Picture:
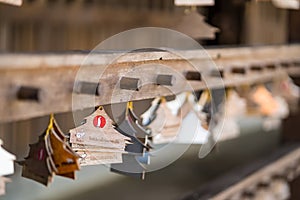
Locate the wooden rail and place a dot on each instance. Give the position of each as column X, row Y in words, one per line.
column 34, row 85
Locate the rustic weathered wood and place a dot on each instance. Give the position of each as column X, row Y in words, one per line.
column 70, row 27
column 265, row 24
column 54, row 75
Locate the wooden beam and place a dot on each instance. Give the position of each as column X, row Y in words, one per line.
column 53, row 76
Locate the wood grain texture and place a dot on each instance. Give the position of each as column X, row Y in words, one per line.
column 55, row 74
column 12, row 2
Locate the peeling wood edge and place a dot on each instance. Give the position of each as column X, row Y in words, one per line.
column 49, row 60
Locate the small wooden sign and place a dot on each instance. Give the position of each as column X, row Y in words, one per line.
column 65, row 161
column 98, row 131
column 38, row 165
column 97, row 141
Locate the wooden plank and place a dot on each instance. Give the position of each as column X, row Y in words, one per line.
column 272, row 53
column 54, row 75
column 265, row 24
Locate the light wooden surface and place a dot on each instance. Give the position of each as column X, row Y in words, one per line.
column 54, row 75
column 12, row 2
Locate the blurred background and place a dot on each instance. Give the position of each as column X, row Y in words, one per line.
column 54, row 25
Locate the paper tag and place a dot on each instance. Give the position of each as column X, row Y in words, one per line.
column 289, row 91
column 78, row 147
column 65, row 161
column 193, row 24
column 265, row 100
column 170, row 128
column 99, row 131
column 175, row 105
column 283, row 108
column 167, row 136
column 27, row 173
column 235, row 106
column 96, row 140
column 136, row 146
column 97, row 158
column 12, row 2
column 194, row 2
column 280, row 189
column 198, row 109
column 149, row 115
column 286, row 4
column 167, row 124
column 37, row 160
column 185, row 109
column 191, row 131
column 157, row 124
column 6, row 162
column 262, row 193
column 38, row 165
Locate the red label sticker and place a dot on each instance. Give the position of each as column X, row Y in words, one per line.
column 99, row 121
